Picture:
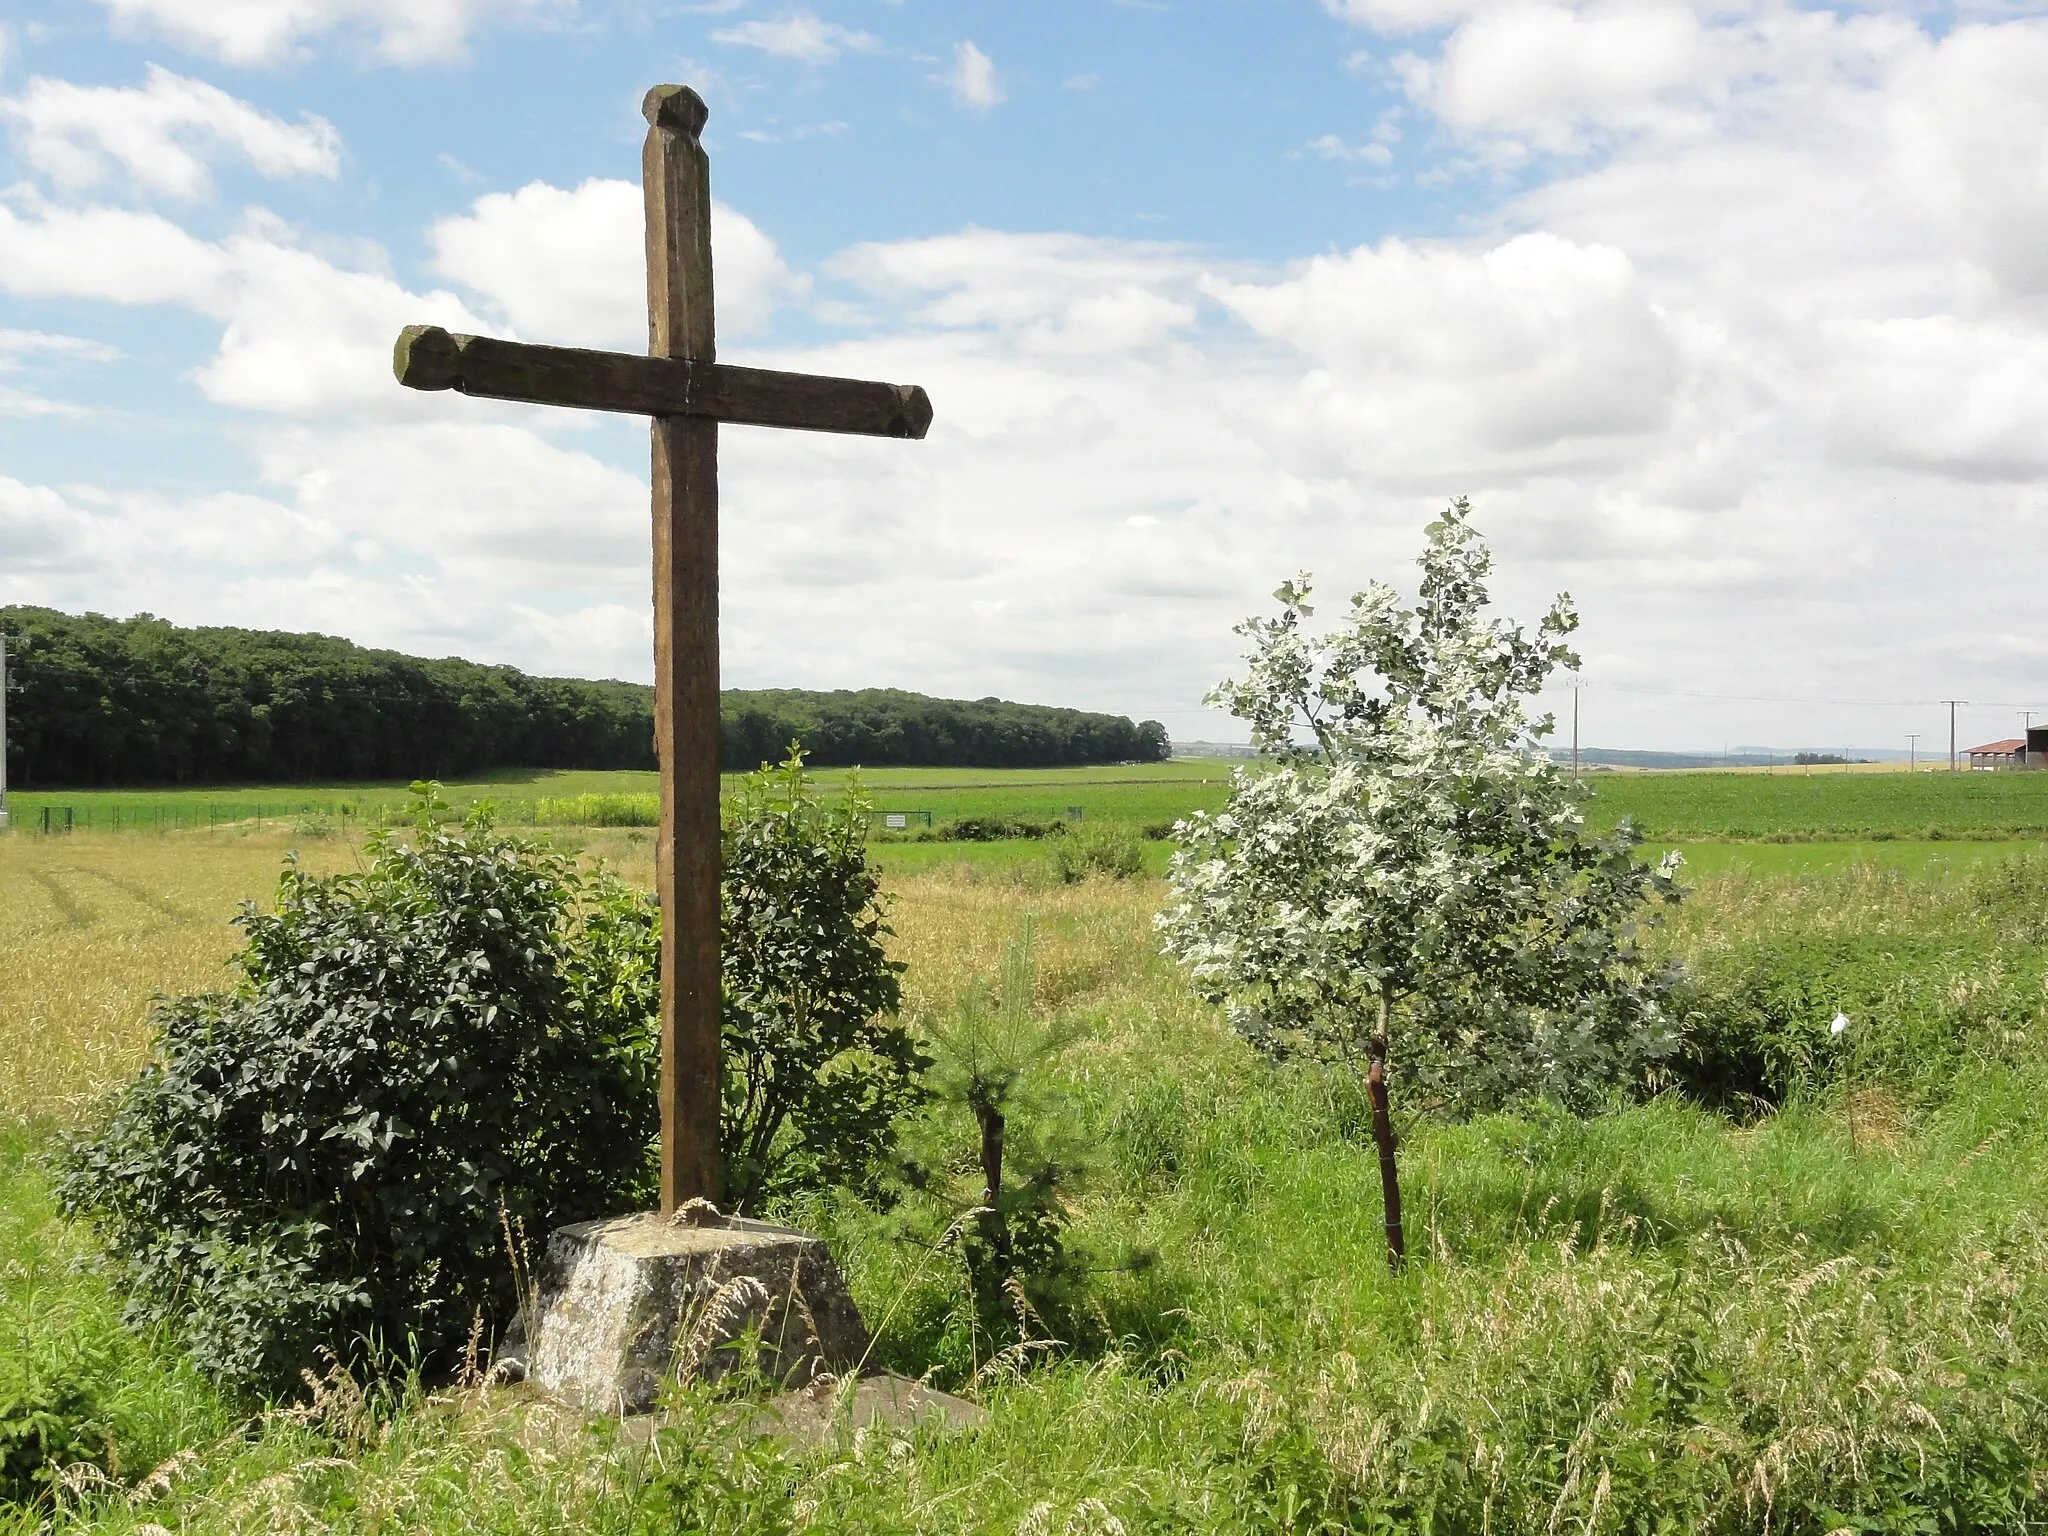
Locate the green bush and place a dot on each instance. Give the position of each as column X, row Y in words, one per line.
column 818, row 1070
column 321, row 1157
column 993, row 829
column 1110, row 848
column 1757, row 1018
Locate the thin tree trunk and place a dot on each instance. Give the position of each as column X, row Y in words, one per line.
column 1383, row 1137
column 993, row 1226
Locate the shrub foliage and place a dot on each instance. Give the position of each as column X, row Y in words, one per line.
column 818, row 1070
column 465, row 1032
column 322, row 1154
column 53, row 1411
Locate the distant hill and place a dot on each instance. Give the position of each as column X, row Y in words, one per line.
column 142, row 701
column 1214, row 749
column 1740, row 757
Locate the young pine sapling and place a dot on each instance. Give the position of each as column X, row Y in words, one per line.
column 990, row 1061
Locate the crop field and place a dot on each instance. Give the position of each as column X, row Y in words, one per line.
column 1675, row 807
column 1827, row 1312
column 1668, row 808
column 1137, row 792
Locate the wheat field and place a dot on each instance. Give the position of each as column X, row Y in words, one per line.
column 92, row 928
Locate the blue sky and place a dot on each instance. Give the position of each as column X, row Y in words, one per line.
column 1732, row 318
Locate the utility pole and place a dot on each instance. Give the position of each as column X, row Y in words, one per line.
column 1913, row 752
column 1952, row 703
column 2026, row 731
column 1575, row 731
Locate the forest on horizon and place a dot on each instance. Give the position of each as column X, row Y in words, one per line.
column 100, row 702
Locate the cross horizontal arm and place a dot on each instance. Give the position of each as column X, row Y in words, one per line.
column 428, row 357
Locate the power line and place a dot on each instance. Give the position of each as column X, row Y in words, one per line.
column 1763, row 698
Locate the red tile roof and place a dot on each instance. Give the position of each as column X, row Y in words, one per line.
column 2007, row 747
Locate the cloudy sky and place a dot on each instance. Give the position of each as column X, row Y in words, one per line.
column 1731, row 318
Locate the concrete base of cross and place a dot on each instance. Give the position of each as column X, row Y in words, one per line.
column 624, row 1304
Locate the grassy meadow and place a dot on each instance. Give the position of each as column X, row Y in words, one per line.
column 1821, row 1306
column 1790, row 805
column 1138, row 792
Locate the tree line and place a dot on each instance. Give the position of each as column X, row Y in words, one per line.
column 99, row 701
column 881, row 726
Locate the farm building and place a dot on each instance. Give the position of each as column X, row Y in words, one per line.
column 2010, row 753
column 2028, row 751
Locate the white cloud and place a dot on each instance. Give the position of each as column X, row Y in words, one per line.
column 1838, row 219
column 972, row 81
column 162, row 134
column 22, row 402
column 107, row 253
column 1021, row 286
column 98, row 536
column 1523, row 63
column 488, row 504
column 299, row 334
column 569, row 266
column 800, row 35
column 1449, row 358
column 1947, row 395
column 1331, row 147
column 19, row 349
column 1402, row 15
column 306, row 338
column 314, row 556
column 17, row 345
column 272, row 31
column 1970, row 122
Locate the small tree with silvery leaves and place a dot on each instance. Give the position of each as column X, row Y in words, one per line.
column 1406, row 886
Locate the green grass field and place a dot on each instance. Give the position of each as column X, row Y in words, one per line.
column 1832, row 1317
column 1704, row 860
column 1674, row 807
column 1669, row 808
column 1138, row 792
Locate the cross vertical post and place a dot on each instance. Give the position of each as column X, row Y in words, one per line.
column 676, row 181
column 687, row 392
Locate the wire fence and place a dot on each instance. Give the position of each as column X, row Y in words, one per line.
column 256, row 815
column 350, row 816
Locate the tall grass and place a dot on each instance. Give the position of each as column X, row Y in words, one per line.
column 599, row 811
column 1657, row 1319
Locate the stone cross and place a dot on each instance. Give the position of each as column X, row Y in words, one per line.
column 688, row 394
